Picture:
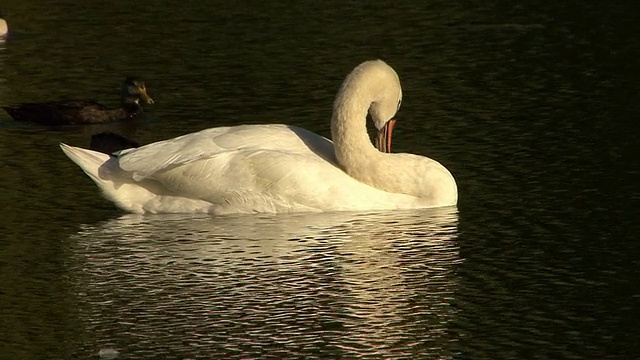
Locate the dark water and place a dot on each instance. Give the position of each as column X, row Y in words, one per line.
column 532, row 106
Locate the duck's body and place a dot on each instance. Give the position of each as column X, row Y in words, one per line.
column 277, row 168
column 78, row 112
column 71, row 112
column 108, row 142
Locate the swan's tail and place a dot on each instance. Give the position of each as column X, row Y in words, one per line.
column 89, row 161
column 118, row 185
column 104, row 171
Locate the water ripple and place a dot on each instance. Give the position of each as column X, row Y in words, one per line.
column 313, row 285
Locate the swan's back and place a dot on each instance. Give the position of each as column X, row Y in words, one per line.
column 224, row 141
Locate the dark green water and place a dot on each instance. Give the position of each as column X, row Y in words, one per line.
column 532, row 106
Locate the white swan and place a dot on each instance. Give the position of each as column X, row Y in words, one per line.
column 279, row 168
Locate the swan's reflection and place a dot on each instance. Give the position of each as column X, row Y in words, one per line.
column 340, row 284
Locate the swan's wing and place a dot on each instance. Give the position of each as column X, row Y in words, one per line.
column 263, row 179
column 145, row 161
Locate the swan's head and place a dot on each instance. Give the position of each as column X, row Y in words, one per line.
column 383, row 87
column 382, row 115
column 386, row 104
column 372, row 87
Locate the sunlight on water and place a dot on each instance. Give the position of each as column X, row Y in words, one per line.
column 307, row 285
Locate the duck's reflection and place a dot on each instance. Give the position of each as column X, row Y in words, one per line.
column 341, row 284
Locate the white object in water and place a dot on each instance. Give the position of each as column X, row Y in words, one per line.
column 279, row 168
column 4, row 28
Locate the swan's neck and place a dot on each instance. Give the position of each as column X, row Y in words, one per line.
column 353, row 149
column 352, row 145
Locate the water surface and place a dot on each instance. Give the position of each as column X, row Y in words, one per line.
column 532, row 106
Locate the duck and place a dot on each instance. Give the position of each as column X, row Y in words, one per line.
column 80, row 112
column 108, row 142
column 279, row 168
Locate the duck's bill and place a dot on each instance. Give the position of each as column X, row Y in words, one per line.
column 145, row 97
column 383, row 140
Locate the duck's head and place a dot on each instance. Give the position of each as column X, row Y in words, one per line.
column 133, row 91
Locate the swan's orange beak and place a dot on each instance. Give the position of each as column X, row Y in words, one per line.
column 383, row 141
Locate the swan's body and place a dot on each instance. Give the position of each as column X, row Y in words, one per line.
column 278, row 168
